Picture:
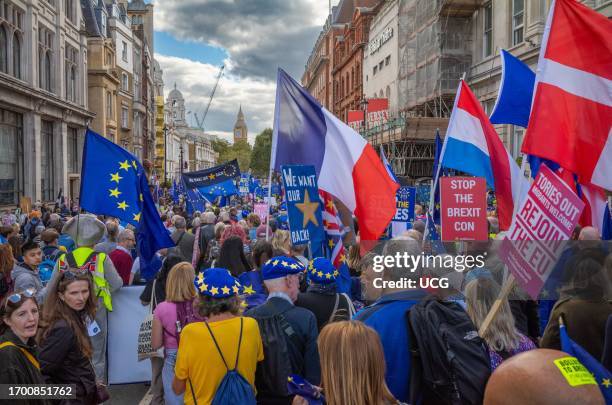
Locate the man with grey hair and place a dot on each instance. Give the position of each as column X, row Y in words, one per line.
column 122, row 255
column 204, row 234
column 182, row 239
column 395, row 276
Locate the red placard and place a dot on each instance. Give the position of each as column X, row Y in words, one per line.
column 355, row 119
column 463, row 211
column 547, row 216
column 378, row 111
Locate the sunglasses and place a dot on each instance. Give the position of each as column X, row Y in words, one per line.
column 16, row 298
column 72, row 274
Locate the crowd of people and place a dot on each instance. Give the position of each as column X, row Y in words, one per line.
column 240, row 312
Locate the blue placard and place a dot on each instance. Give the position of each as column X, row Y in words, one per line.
column 405, row 200
column 244, row 183
column 303, row 204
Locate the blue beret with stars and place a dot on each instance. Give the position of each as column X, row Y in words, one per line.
column 322, row 271
column 281, row 266
column 216, row 283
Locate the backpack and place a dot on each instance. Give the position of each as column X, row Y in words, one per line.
column 184, row 316
column 273, row 371
column 234, row 388
column 450, row 362
column 70, row 262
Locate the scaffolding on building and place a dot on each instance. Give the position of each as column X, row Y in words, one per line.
column 434, row 51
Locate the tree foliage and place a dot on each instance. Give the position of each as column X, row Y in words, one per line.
column 240, row 150
column 260, row 156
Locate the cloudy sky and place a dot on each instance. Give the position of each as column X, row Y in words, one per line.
column 251, row 37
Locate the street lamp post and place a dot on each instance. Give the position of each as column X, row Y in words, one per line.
column 181, row 158
column 364, row 107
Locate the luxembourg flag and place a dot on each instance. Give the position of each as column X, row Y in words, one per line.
column 347, row 166
column 472, row 146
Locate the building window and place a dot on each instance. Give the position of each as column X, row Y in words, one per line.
column 103, row 24
column 70, row 10
column 109, row 105
column 124, row 51
column 375, row 70
column 75, row 148
column 45, row 42
column 11, row 157
column 517, row 140
column 388, row 92
column 3, row 50
column 124, row 117
column 518, row 16
column 487, row 37
column 71, row 73
column 488, row 106
column 46, row 161
column 16, row 55
column 387, row 60
column 380, row 66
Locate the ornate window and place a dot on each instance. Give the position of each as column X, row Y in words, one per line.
column 71, row 73
column 17, row 55
column 3, row 50
column 45, row 59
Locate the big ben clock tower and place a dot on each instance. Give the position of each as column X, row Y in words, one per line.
column 240, row 128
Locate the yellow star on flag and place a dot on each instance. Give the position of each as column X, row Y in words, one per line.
column 284, row 263
column 136, row 217
column 123, row 205
column 275, row 262
column 202, row 287
column 225, row 290
column 342, row 258
column 290, row 379
column 606, row 382
column 134, row 165
column 248, row 290
column 294, row 266
column 236, row 289
column 330, row 243
column 201, row 278
column 114, row 192
column 330, row 204
column 214, row 291
column 336, row 273
column 115, row 177
column 309, row 210
column 328, row 276
column 211, row 176
column 141, row 197
column 320, row 274
column 124, row 165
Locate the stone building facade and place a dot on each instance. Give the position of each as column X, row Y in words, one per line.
column 43, row 99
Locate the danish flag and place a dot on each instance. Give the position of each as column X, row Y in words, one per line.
column 571, row 116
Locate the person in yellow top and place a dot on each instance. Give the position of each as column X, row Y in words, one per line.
column 208, row 350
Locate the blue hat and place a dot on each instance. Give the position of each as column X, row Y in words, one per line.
column 216, row 283
column 281, row 266
column 322, row 271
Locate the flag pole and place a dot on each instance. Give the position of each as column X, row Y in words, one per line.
column 273, row 150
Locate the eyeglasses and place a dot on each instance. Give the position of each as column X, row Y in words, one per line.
column 15, row 298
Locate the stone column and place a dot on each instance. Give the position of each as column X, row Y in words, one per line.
column 32, row 155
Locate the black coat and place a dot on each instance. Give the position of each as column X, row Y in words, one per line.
column 16, row 368
column 63, row 362
column 322, row 305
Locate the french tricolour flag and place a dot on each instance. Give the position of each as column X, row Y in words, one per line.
column 472, row 146
column 346, row 165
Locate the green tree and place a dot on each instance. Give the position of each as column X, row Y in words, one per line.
column 241, row 150
column 222, row 147
column 260, row 156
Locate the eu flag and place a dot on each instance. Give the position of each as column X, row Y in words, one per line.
column 114, row 183
column 222, row 189
column 602, row 376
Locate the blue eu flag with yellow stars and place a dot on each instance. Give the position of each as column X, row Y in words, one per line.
column 114, row 183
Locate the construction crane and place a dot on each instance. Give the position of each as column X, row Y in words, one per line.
column 199, row 121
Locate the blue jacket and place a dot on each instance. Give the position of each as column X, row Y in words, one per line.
column 388, row 317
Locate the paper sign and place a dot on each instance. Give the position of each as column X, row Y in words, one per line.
column 261, row 210
column 574, row 372
column 533, row 244
column 463, row 212
column 303, row 204
column 405, row 198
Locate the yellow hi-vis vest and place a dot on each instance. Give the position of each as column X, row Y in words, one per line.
column 100, row 284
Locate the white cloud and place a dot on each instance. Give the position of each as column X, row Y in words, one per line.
column 196, row 80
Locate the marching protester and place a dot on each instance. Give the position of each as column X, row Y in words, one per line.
column 322, row 298
column 388, row 311
column 289, row 333
column 352, row 369
column 219, row 356
column 204, row 234
column 502, row 337
column 110, row 240
column 7, row 261
column 121, row 256
column 183, row 239
column 232, row 257
column 170, row 317
column 19, row 317
column 66, row 352
column 25, row 275
column 86, row 231
column 281, row 243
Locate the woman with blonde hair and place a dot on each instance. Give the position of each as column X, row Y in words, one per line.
column 169, row 318
column 502, row 337
column 281, row 243
column 352, row 366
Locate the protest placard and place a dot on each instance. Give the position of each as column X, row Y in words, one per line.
column 548, row 215
column 261, row 210
column 405, row 198
column 463, row 208
column 244, row 183
column 303, row 204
